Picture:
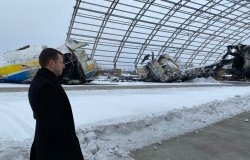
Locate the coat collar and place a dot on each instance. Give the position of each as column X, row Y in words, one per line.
column 47, row 73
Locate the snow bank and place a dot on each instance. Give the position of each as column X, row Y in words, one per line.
column 113, row 139
column 110, row 80
column 204, row 80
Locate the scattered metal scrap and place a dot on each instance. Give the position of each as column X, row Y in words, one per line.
column 165, row 69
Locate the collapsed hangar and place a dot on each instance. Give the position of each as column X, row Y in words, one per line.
column 192, row 32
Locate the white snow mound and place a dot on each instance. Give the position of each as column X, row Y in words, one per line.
column 114, row 139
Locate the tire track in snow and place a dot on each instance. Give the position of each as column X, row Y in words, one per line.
column 6, row 124
column 20, row 113
column 15, row 126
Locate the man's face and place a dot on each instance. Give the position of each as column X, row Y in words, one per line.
column 57, row 66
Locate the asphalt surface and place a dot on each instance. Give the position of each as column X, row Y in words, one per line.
column 120, row 86
column 225, row 140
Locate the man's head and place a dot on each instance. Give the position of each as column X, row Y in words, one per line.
column 52, row 59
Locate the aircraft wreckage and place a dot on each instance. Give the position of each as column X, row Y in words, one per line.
column 164, row 69
column 21, row 65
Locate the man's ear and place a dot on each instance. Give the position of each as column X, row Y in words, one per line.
column 51, row 63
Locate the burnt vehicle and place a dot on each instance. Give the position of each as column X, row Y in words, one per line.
column 165, row 69
column 21, row 65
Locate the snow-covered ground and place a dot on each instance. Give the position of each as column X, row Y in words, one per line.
column 110, row 123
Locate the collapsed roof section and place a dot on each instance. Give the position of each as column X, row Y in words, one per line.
column 121, row 32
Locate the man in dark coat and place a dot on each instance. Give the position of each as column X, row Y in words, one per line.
column 55, row 137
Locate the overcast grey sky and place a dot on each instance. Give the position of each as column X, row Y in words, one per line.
column 34, row 22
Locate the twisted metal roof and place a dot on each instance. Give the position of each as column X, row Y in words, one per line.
column 193, row 32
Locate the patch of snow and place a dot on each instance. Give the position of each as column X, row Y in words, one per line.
column 13, row 85
column 114, row 139
column 202, row 80
column 109, row 81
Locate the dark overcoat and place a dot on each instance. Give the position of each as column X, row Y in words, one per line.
column 55, row 136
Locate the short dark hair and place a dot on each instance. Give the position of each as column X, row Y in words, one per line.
column 48, row 54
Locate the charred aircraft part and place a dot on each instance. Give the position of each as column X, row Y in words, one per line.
column 164, row 69
column 73, row 72
column 79, row 68
column 21, row 65
column 240, row 61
